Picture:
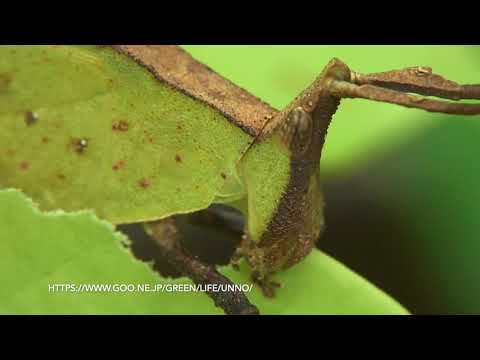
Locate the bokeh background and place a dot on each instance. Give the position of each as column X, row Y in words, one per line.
column 402, row 186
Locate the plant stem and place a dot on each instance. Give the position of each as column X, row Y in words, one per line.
column 165, row 234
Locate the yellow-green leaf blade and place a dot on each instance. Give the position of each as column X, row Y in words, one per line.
column 42, row 249
column 128, row 146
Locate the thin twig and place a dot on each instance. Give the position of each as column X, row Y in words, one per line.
column 232, row 302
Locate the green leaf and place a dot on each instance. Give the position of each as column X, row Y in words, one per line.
column 321, row 285
column 41, row 249
column 84, row 127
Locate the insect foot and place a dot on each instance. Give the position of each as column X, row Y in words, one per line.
column 266, row 284
column 260, row 262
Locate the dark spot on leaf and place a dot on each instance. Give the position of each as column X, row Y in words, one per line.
column 144, row 183
column 150, row 140
column 61, row 176
column 120, row 125
column 223, row 175
column 179, row 127
column 10, row 152
column 5, row 80
column 178, row 158
column 31, row 118
column 79, row 145
column 45, row 140
column 118, row 165
column 24, row 165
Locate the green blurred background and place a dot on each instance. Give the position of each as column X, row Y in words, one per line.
column 401, row 185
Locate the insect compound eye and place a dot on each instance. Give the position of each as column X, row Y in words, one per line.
column 300, row 119
column 296, row 132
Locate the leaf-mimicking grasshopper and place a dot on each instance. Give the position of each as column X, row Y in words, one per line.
column 141, row 133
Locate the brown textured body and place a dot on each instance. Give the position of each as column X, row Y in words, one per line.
column 298, row 220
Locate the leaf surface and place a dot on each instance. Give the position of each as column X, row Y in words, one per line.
column 41, row 249
column 88, row 128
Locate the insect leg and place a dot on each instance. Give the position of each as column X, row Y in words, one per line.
column 420, row 80
column 397, row 86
